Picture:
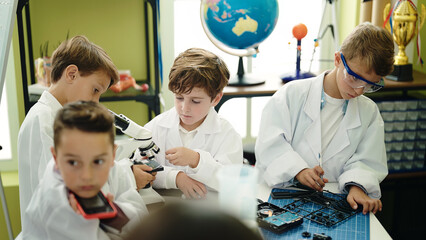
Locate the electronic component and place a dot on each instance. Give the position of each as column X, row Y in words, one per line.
column 276, row 219
column 326, row 208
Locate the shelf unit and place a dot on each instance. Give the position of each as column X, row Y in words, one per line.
column 151, row 98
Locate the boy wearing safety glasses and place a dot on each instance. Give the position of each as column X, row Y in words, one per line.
column 323, row 129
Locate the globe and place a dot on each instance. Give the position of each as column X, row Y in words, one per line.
column 238, row 27
column 238, row 24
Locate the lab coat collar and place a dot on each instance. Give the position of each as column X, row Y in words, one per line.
column 210, row 125
column 48, row 99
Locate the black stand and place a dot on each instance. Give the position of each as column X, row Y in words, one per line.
column 243, row 79
column 401, row 73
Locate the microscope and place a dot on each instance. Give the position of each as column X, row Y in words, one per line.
column 140, row 148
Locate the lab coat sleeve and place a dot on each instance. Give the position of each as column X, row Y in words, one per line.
column 126, row 196
column 166, row 179
column 230, row 151
column 277, row 161
column 126, row 165
column 368, row 166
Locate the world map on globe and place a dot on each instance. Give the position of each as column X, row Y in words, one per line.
column 239, row 24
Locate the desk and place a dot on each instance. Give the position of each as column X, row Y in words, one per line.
column 273, row 83
column 263, row 191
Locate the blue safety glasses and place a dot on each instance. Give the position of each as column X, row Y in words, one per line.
column 356, row 81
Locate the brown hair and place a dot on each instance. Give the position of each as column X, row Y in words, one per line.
column 87, row 56
column 373, row 45
column 197, row 67
column 85, row 116
column 191, row 222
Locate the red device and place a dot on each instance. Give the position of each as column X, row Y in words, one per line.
column 97, row 207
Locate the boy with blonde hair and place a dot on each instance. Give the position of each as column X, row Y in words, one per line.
column 196, row 141
column 324, row 129
column 83, row 164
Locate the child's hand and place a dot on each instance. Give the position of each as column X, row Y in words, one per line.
column 141, row 176
column 312, row 177
column 190, row 187
column 357, row 196
column 73, row 202
column 182, row 156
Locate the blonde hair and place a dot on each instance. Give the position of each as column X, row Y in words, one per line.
column 197, row 67
column 87, row 56
column 373, row 45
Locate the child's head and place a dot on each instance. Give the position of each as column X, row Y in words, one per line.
column 200, row 68
column 191, row 222
column 84, row 147
column 366, row 56
column 372, row 45
column 85, row 66
column 197, row 79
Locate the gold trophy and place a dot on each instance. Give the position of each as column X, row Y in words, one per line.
column 404, row 22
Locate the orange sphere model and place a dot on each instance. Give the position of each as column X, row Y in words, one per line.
column 300, row 31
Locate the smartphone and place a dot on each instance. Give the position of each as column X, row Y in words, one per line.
column 156, row 167
column 96, row 207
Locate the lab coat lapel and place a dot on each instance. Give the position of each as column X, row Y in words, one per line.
column 209, row 126
column 172, row 122
column 312, row 109
column 341, row 139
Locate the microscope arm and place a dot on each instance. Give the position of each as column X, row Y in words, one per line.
column 142, row 137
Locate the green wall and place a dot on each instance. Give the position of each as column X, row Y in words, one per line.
column 116, row 26
column 10, row 184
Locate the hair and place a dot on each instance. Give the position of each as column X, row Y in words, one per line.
column 197, row 67
column 87, row 56
column 85, row 116
column 191, row 222
column 373, row 45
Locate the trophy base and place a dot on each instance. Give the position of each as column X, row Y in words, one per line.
column 401, row 73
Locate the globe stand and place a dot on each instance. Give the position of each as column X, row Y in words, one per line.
column 243, row 79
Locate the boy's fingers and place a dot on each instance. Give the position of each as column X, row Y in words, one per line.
column 352, row 203
column 110, row 197
column 319, row 170
column 73, row 202
column 143, row 167
column 170, row 151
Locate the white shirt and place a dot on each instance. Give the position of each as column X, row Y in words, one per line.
column 290, row 139
column 50, row 216
column 331, row 116
column 215, row 140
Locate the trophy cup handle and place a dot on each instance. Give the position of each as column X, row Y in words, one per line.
column 385, row 14
column 422, row 16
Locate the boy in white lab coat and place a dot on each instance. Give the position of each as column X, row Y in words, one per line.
column 81, row 70
column 323, row 129
column 83, row 164
column 196, row 141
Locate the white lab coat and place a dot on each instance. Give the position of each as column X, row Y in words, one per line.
column 50, row 216
column 34, row 141
column 216, row 141
column 290, row 139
